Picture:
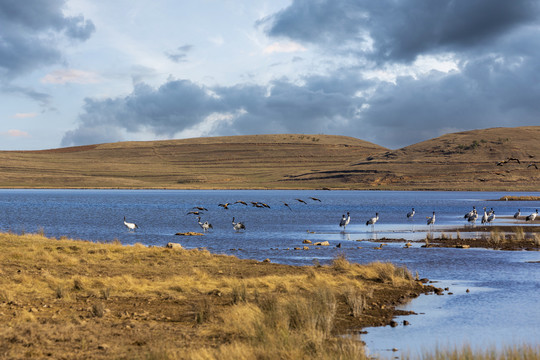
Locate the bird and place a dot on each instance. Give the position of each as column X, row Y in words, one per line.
column 345, row 220
column 287, row 205
column 532, row 165
column 265, row 205
column 431, row 219
column 130, row 226
column 200, row 208
column 484, row 217
column 491, row 217
column 205, row 226
column 300, row 200
column 373, row 220
column 411, row 213
column 470, row 213
column 225, row 206
column 315, row 199
column 193, row 212
column 517, row 214
column 532, row 216
column 238, row 225
column 472, row 219
column 514, row 159
column 240, row 202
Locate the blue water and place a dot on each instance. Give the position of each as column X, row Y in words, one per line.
column 501, row 307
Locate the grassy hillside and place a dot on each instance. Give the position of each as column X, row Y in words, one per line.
column 472, row 160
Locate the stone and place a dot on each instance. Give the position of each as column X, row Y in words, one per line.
column 189, row 233
column 306, row 241
column 393, row 323
column 172, row 245
column 406, row 323
column 267, row 260
column 322, row 243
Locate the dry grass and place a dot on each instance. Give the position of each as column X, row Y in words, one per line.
column 75, row 299
column 521, row 352
column 466, row 160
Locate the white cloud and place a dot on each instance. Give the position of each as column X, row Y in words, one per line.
column 286, row 47
column 65, row 76
column 24, row 115
column 15, row 133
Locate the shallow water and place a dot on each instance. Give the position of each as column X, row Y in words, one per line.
column 501, row 307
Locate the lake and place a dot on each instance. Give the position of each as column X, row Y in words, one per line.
column 501, row 307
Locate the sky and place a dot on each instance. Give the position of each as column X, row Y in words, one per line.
column 392, row 72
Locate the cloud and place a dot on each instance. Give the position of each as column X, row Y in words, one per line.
column 32, row 35
column 286, row 47
column 24, row 115
column 15, row 133
column 180, row 54
column 387, row 30
column 65, row 76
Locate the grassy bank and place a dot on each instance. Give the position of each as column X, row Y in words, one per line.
column 75, row 299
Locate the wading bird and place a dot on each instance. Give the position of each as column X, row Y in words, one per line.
column 484, row 217
column 345, row 220
column 431, row 219
column 315, row 199
column 193, row 213
column 238, row 225
column 517, row 214
column 130, row 226
column 473, row 217
column 410, row 214
column 532, row 216
column 372, row 221
column 491, row 217
column 205, row 226
column 200, row 208
column 300, row 200
column 470, row 213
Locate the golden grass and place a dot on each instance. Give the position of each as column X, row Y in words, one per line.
column 517, row 352
column 77, row 299
column 466, row 160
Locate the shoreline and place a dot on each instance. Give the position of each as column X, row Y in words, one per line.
column 65, row 298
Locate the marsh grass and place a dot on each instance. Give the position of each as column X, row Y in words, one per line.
column 180, row 303
column 518, row 352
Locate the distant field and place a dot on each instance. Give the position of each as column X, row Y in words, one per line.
column 490, row 159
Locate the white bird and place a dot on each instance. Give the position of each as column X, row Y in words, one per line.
column 345, row 220
column 411, row 213
column 516, row 215
column 130, row 226
column 205, row 226
column 532, row 216
column 491, row 217
column 484, row 217
column 431, row 219
column 238, row 226
column 373, row 220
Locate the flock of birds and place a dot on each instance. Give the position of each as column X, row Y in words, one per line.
column 487, row 218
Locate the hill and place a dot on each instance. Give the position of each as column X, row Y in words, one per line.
column 473, row 160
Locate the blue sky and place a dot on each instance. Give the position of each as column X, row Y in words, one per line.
column 393, row 72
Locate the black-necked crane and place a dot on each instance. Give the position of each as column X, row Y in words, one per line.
column 532, row 165
column 225, row 206
column 130, row 226
column 315, row 199
column 517, row 214
column 411, row 213
column 287, row 205
column 200, row 208
column 300, row 200
column 532, row 216
column 484, row 217
column 472, row 218
column 241, row 202
column 238, row 225
column 345, row 220
column 372, row 221
column 431, row 219
column 193, row 213
column 491, row 217
column 205, row 226
column 470, row 213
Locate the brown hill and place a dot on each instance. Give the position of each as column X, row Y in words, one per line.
column 258, row 161
column 489, row 159
column 472, row 160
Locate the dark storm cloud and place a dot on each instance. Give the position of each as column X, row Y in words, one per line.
column 30, row 32
column 400, row 30
column 320, row 105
